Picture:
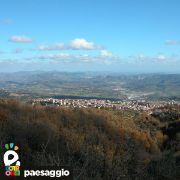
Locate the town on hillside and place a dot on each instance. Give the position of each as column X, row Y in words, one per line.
column 100, row 104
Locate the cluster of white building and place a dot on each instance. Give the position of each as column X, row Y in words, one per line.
column 96, row 103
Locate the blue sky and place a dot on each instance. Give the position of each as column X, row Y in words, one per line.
column 111, row 35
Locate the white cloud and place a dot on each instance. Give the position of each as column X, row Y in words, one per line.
column 80, row 43
column 161, row 57
column 153, row 59
column 20, row 39
column 75, row 44
column 103, row 57
column 60, row 56
column 67, row 57
column 105, row 53
column 58, row 46
column 172, row 42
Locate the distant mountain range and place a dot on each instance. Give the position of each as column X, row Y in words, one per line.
column 25, row 85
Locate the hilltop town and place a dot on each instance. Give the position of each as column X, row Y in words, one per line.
column 100, row 104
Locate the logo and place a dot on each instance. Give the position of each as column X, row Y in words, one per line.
column 11, row 160
column 12, row 167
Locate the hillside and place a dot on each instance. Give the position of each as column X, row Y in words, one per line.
column 25, row 85
column 98, row 144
